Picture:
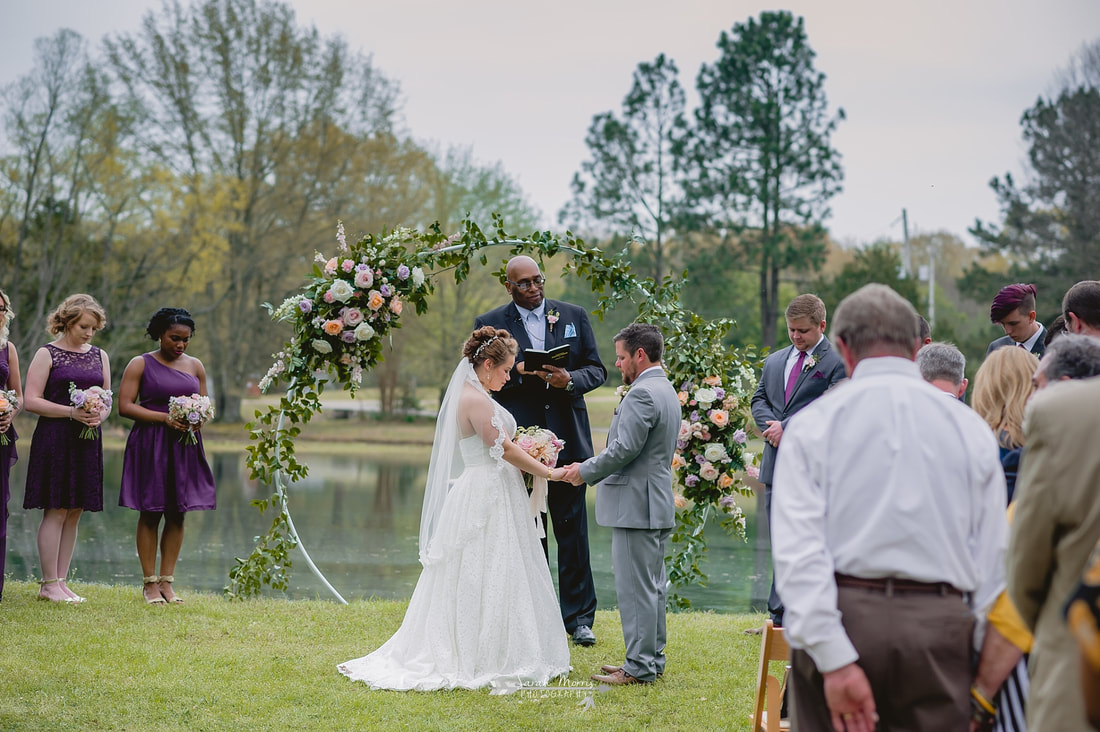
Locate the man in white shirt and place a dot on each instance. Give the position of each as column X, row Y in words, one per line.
column 943, row 366
column 889, row 535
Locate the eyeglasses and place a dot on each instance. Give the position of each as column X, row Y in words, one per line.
column 526, row 285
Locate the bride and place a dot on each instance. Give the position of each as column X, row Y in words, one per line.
column 484, row 610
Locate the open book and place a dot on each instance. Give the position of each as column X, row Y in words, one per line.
column 536, row 360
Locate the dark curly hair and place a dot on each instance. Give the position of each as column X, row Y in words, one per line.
column 165, row 318
column 489, row 342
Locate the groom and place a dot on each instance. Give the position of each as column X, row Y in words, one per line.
column 635, row 499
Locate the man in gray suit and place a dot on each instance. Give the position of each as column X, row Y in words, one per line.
column 635, row 499
column 792, row 378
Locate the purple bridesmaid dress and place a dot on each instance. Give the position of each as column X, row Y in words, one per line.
column 65, row 470
column 8, row 456
column 159, row 473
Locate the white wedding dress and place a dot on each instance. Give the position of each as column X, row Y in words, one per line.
column 484, row 611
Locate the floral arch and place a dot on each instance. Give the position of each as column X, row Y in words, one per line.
column 341, row 319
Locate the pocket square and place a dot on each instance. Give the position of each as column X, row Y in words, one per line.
column 570, row 330
column 818, row 375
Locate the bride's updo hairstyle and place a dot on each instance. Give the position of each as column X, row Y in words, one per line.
column 489, row 342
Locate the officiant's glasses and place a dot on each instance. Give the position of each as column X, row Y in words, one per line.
column 526, row 285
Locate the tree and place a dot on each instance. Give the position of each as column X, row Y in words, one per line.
column 633, row 179
column 764, row 166
column 878, row 263
column 272, row 134
column 1051, row 224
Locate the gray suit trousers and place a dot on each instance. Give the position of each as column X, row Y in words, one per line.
column 641, row 586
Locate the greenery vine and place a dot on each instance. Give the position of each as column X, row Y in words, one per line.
column 343, row 315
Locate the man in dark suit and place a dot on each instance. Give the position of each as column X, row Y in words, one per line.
column 1014, row 310
column 792, row 378
column 554, row 399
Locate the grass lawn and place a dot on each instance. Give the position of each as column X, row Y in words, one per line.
column 115, row 663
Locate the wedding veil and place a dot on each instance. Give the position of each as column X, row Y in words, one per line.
column 446, row 463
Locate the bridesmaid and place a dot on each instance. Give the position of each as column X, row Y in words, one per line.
column 9, row 381
column 65, row 471
column 162, row 478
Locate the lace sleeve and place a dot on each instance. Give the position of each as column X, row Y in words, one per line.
column 496, row 452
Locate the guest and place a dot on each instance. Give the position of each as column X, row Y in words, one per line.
column 943, row 366
column 65, row 471
column 1081, row 308
column 889, row 513
column 162, row 477
column 1057, row 328
column 1083, row 618
column 1002, row 387
column 925, row 331
column 1072, row 356
column 1014, row 310
column 9, row 381
column 788, row 385
column 635, row 499
column 554, row 399
column 1057, row 524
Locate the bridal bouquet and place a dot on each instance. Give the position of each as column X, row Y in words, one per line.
column 194, row 411
column 93, row 400
column 9, row 402
column 540, row 443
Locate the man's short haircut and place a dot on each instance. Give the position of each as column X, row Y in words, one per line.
column 876, row 317
column 1011, row 299
column 806, row 306
column 644, row 336
column 1083, row 300
column 942, row 361
column 1074, row 355
column 925, row 330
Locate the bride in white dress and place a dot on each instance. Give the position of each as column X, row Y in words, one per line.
column 484, row 611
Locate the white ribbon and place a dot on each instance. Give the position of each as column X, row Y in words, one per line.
column 538, row 502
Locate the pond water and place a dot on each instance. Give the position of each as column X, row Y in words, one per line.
column 358, row 517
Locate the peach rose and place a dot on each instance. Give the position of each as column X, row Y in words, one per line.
column 713, row 381
column 678, row 461
column 375, row 300
column 720, row 417
column 332, row 327
column 396, row 305
column 725, row 481
column 680, row 501
column 683, row 398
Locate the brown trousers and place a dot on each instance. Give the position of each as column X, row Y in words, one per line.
column 915, row 651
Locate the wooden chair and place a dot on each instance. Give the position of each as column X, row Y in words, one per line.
column 769, row 689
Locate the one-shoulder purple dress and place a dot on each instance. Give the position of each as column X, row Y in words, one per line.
column 65, row 470
column 159, row 473
column 8, row 456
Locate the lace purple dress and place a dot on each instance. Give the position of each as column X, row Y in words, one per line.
column 8, row 456
column 64, row 470
column 158, row 472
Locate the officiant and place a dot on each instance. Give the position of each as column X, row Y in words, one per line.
column 554, row 398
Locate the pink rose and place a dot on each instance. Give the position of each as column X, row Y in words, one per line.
column 753, row 471
column 396, row 305
column 330, row 267
column 364, row 278
column 347, row 265
column 352, row 316
column 526, row 443
column 707, row 471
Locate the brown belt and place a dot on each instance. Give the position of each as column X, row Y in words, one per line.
column 894, row 586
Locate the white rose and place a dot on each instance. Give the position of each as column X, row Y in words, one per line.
column 715, row 452
column 321, row 346
column 341, row 290
column 705, row 396
column 364, row 332
column 418, row 276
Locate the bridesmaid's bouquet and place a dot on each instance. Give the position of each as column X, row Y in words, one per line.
column 93, row 400
column 9, row 402
column 194, row 411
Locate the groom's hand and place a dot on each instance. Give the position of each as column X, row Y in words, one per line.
column 573, row 474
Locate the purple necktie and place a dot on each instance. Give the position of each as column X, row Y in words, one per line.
column 793, row 378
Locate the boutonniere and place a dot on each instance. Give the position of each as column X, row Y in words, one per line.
column 621, row 390
column 809, row 364
column 551, row 318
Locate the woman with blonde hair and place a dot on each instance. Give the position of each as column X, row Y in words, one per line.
column 65, row 470
column 1002, row 387
column 9, row 382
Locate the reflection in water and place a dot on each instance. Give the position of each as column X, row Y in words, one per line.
column 359, row 518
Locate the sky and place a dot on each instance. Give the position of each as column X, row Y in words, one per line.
column 933, row 91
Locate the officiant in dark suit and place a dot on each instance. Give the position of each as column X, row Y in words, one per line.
column 554, row 399
column 792, row 378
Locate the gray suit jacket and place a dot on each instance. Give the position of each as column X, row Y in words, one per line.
column 635, row 471
column 768, row 402
column 1038, row 349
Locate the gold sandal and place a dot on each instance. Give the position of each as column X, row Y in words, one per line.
column 152, row 580
column 176, row 599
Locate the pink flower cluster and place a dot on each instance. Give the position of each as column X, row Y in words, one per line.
column 93, row 400
column 9, row 402
column 194, row 411
column 540, row 443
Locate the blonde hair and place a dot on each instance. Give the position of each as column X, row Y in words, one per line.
column 70, row 311
column 5, row 321
column 1002, row 387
